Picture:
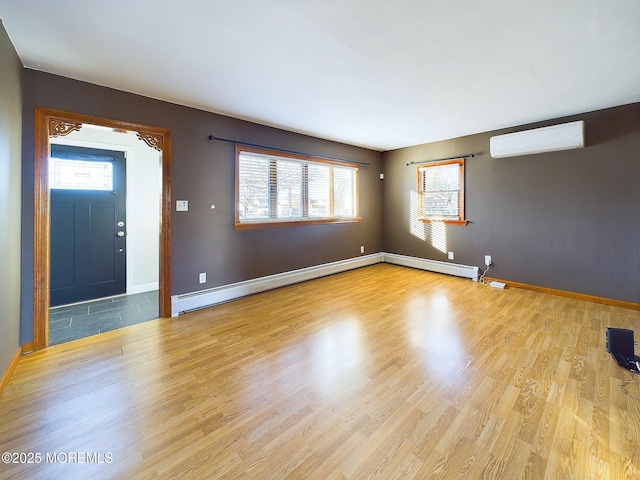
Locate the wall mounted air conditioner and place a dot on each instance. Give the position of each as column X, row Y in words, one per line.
column 538, row 140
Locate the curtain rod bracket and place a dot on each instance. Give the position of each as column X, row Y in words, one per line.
column 342, row 160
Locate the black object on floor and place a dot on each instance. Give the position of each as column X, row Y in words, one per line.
column 620, row 344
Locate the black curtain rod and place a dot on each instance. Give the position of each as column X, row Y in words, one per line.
column 471, row 155
column 342, row 160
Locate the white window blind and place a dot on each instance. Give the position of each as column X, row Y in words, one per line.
column 319, row 191
column 274, row 188
column 254, row 187
column 289, row 189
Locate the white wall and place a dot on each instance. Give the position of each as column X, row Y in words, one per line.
column 144, row 178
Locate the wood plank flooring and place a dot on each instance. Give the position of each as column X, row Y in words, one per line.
column 382, row 372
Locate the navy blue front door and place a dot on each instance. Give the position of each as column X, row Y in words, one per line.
column 88, row 224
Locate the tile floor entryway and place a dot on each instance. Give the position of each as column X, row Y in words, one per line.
column 81, row 320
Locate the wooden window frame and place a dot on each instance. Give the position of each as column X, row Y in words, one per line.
column 273, row 221
column 461, row 190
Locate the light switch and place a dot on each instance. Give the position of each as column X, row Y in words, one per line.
column 182, row 205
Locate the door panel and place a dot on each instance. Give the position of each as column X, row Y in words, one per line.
column 63, row 244
column 88, row 258
column 103, row 242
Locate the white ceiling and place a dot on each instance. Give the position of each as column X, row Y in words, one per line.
column 382, row 74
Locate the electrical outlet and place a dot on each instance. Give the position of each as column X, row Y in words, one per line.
column 203, row 277
column 487, row 260
column 450, row 255
column 361, row 248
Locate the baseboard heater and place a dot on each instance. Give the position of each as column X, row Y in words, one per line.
column 456, row 269
column 205, row 298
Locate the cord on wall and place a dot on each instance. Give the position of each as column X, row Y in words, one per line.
column 481, row 279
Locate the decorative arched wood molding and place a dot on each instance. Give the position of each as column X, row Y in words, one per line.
column 59, row 127
column 51, row 123
column 153, row 140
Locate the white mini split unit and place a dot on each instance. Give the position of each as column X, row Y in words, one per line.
column 546, row 139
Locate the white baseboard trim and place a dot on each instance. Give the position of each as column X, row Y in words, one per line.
column 147, row 287
column 456, row 269
column 205, row 298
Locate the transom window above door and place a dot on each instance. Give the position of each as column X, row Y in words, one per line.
column 80, row 175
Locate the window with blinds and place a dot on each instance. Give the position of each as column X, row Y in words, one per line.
column 441, row 187
column 274, row 188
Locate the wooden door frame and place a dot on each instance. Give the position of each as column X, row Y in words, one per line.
column 52, row 123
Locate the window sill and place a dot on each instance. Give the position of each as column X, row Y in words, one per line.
column 291, row 223
column 443, row 220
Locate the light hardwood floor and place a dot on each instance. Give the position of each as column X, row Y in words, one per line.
column 382, row 372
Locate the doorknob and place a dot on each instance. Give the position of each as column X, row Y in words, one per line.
column 120, row 233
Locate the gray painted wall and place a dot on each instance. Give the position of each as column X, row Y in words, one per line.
column 10, row 163
column 566, row 220
column 204, row 240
